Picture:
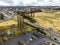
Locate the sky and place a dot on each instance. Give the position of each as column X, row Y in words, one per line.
column 29, row 2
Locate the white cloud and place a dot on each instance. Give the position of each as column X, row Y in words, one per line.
column 3, row 3
column 30, row 2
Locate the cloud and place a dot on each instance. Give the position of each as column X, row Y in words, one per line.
column 29, row 2
column 3, row 3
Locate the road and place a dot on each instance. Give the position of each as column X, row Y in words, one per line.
column 55, row 34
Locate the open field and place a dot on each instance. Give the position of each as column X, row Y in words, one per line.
column 48, row 20
column 43, row 19
column 7, row 23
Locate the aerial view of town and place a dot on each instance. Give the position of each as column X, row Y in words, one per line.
column 30, row 25
column 29, row 22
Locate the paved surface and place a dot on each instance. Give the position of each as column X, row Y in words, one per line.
column 55, row 34
column 25, row 39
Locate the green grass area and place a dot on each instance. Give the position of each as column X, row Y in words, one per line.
column 7, row 27
column 49, row 17
column 57, row 15
column 46, row 18
column 49, row 20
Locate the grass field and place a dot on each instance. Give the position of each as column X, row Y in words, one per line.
column 48, row 20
